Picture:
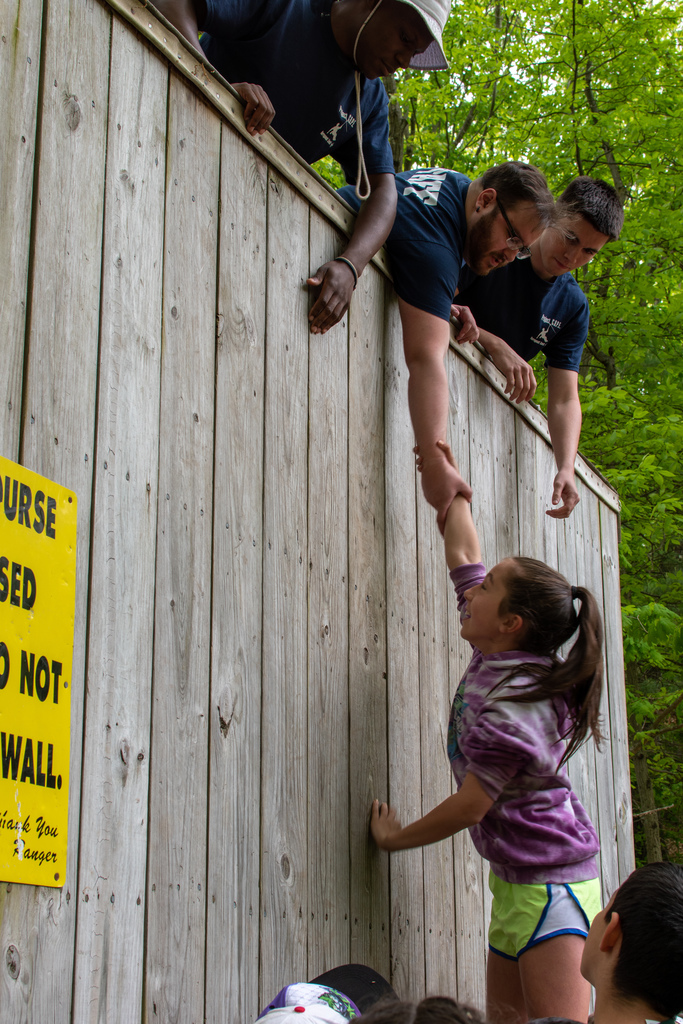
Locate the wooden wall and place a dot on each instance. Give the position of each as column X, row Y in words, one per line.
column 265, row 637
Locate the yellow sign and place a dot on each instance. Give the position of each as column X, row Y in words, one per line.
column 37, row 598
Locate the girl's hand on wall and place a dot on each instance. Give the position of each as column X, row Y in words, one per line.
column 384, row 824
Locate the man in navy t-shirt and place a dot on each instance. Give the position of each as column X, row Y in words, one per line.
column 444, row 220
column 302, row 65
column 535, row 305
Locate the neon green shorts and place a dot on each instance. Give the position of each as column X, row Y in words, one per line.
column 524, row 915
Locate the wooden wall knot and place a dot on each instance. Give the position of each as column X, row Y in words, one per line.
column 13, row 962
column 72, row 111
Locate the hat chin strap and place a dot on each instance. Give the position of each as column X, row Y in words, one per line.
column 362, row 181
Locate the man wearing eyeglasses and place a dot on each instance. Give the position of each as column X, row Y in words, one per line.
column 536, row 305
column 443, row 221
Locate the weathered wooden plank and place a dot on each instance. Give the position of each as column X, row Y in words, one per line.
column 493, row 465
column 434, row 695
column 116, row 748
column 606, row 822
column 459, row 376
column 494, row 480
column 470, row 933
column 174, row 988
column 505, row 515
column 370, row 915
column 235, row 716
column 58, row 435
column 571, row 563
column 405, row 791
column 284, row 739
column 20, row 32
column 506, row 512
column 487, row 506
column 482, row 413
column 582, row 765
column 328, row 640
column 618, row 724
column 535, row 473
column 438, row 863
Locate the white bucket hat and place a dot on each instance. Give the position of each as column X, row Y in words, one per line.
column 435, row 14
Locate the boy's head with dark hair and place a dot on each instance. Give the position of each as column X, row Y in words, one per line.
column 634, row 951
column 595, row 200
column 588, row 214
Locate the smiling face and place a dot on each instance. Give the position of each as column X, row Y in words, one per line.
column 569, row 244
column 487, row 233
column 483, row 625
column 390, row 40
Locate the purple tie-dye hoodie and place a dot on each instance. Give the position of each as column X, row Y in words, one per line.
column 536, row 831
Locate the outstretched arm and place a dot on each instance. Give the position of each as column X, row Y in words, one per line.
column 335, row 279
column 425, row 343
column 460, row 810
column 460, row 535
column 564, row 422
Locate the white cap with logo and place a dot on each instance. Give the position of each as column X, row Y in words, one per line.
column 302, row 1014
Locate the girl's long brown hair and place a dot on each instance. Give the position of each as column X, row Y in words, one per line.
column 544, row 600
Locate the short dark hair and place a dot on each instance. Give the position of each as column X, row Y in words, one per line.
column 432, row 1010
column 595, row 200
column 650, row 909
column 516, row 182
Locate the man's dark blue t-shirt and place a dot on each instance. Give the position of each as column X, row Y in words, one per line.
column 288, row 48
column 530, row 314
column 427, row 240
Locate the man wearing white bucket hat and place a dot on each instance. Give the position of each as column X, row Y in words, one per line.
column 313, row 68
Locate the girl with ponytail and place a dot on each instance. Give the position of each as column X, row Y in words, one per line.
column 519, row 713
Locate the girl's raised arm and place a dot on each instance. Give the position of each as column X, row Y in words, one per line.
column 460, row 535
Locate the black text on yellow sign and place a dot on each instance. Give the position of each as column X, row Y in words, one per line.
column 37, row 600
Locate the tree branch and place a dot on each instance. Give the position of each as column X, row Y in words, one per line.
column 607, row 149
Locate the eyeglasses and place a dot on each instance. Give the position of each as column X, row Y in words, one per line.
column 514, row 241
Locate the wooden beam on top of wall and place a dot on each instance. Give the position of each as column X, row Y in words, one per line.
column 194, row 65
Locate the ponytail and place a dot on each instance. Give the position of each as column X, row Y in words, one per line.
column 544, row 600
